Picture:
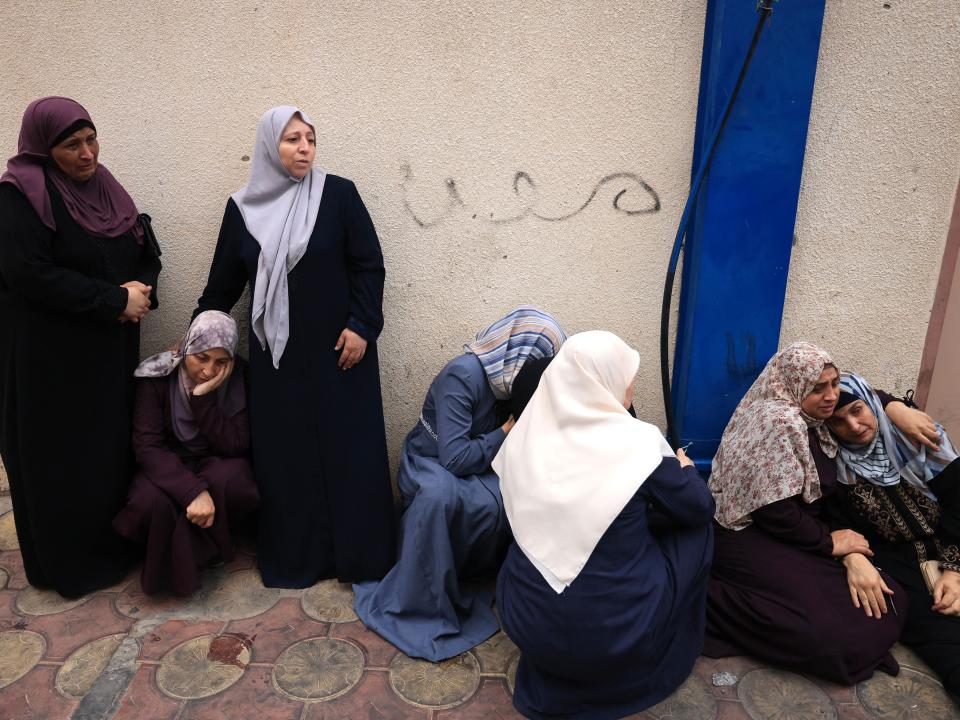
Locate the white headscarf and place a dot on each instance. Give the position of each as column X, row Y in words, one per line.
column 279, row 211
column 576, row 456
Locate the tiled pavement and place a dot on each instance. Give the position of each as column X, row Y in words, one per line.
column 238, row 650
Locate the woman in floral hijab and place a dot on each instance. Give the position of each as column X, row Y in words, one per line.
column 777, row 590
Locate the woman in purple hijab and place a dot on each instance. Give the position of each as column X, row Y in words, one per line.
column 191, row 438
column 76, row 279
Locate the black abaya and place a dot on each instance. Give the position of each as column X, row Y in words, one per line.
column 319, row 449
column 66, row 390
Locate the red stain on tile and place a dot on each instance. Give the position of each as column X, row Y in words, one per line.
column 68, row 630
column 144, row 701
column 226, row 649
column 378, row 651
column 154, row 645
column 491, row 702
column 33, row 697
column 277, row 629
column 371, row 699
column 252, row 696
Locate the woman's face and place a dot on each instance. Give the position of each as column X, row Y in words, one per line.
column 298, row 147
column 77, row 155
column 203, row 366
column 854, row 423
column 822, row 400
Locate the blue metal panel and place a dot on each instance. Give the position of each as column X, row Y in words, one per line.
column 737, row 249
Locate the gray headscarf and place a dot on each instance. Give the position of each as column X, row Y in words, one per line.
column 280, row 212
column 210, row 329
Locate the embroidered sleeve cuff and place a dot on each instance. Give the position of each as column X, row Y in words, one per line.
column 950, row 566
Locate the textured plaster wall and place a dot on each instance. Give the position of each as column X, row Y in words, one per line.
column 475, row 132
column 880, row 172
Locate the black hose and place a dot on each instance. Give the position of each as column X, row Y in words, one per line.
column 764, row 8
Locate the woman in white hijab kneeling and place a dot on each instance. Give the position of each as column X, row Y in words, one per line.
column 604, row 588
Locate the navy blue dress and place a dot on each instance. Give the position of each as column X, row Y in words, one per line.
column 317, row 432
column 453, row 528
column 626, row 632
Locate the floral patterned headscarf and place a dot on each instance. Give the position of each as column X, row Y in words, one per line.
column 764, row 454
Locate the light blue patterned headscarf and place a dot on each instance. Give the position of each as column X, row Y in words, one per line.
column 890, row 456
column 505, row 346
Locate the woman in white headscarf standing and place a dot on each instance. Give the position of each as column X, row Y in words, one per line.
column 305, row 243
column 604, row 589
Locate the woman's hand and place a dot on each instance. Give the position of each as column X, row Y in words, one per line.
column 867, row 588
column 216, row 381
column 684, row 460
column 508, row 425
column 200, row 511
column 915, row 424
column 354, row 348
column 138, row 301
column 849, row 541
column 946, row 593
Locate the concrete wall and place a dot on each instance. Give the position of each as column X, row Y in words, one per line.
column 882, row 162
column 434, row 108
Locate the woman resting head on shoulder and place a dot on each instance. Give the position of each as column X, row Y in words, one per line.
column 904, row 496
column 191, row 438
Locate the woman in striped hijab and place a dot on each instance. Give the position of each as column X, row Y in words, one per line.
column 905, row 499
column 454, row 528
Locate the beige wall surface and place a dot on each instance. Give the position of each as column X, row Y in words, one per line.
column 470, row 128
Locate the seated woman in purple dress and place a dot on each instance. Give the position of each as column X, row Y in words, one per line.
column 453, row 529
column 789, row 586
column 607, row 611
column 190, row 440
column 905, row 499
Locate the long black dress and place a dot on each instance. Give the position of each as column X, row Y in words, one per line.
column 319, row 448
column 66, row 390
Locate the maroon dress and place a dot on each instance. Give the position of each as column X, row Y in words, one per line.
column 170, row 476
column 776, row 593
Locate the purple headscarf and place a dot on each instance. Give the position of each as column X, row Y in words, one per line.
column 99, row 205
column 210, row 329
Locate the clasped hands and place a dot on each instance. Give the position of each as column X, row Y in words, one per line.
column 138, row 301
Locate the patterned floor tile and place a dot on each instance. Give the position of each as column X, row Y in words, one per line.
column 8, row 533
column 251, row 697
column 202, row 667
column 4, row 577
column 32, row 697
column 371, row 699
column 68, row 630
column 776, row 694
column 512, row 673
column 223, row 595
column 496, row 653
column 379, row 653
column 154, row 645
column 329, row 601
column 909, row 696
column 281, row 626
column 838, row 694
column 694, row 700
column 716, row 671
column 12, row 564
column 31, row 601
column 77, row 675
column 318, row 669
column 143, row 699
column 491, row 702
column 20, row 651
column 908, row 658
column 435, row 685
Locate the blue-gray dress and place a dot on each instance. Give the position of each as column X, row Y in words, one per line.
column 453, row 527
